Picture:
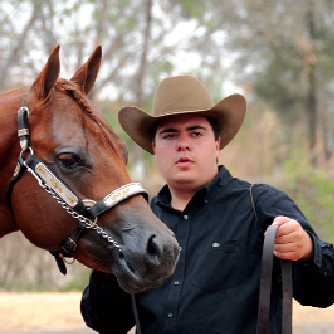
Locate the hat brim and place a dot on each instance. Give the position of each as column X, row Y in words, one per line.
column 229, row 112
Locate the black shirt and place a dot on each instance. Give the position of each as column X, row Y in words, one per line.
column 215, row 286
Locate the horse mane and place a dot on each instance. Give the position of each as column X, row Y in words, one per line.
column 9, row 92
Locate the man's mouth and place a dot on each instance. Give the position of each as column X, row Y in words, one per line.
column 184, row 161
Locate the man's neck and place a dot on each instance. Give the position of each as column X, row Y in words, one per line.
column 181, row 196
column 181, row 199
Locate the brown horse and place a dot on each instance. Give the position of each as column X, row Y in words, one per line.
column 69, row 153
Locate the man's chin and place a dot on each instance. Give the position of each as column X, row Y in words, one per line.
column 185, row 181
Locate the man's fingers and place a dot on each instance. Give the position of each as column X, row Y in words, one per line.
column 288, row 247
column 285, row 238
column 291, row 256
column 291, row 226
column 289, row 239
column 291, row 242
column 280, row 220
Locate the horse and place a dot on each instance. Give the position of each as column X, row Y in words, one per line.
column 64, row 181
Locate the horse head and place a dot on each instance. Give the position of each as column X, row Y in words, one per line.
column 81, row 157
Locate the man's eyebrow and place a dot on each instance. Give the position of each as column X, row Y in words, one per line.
column 196, row 127
column 167, row 130
column 189, row 128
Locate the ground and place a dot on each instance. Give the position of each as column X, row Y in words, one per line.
column 60, row 312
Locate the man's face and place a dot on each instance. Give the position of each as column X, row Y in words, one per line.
column 186, row 151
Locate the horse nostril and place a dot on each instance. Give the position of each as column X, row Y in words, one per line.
column 152, row 247
column 128, row 264
column 133, row 270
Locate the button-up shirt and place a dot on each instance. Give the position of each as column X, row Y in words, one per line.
column 215, row 286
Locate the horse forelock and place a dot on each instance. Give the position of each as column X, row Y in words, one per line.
column 72, row 89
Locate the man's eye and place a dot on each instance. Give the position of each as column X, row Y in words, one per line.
column 196, row 134
column 70, row 161
column 169, row 136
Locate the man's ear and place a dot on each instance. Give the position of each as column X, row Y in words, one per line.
column 217, row 147
column 153, row 148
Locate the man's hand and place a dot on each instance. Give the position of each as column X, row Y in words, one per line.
column 292, row 242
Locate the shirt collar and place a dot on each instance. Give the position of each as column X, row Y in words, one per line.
column 224, row 176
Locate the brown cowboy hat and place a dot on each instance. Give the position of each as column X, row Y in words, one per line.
column 182, row 95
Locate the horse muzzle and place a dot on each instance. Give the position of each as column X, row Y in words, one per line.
column 138, row 269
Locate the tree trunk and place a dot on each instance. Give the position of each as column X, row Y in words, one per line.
column 139, row 171
column 17, row 51
column 311, row 92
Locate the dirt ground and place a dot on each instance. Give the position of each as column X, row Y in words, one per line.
column 36, row 311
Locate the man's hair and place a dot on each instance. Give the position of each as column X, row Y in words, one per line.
column 214, row 125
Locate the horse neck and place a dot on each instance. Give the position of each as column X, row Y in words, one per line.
column 10, row 103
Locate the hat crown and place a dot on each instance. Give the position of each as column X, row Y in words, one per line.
column 180, row 93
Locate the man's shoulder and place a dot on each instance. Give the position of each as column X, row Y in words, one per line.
column 265, row 194
column 260, row 191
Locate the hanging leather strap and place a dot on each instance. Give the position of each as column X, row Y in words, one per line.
column 266, row 281
column 266, row 285
column 287, row 296
column 135, row 313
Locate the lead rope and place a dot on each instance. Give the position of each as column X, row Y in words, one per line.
column 266, row 282
column 135, row 313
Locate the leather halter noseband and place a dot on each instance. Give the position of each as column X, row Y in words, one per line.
column 86, row 211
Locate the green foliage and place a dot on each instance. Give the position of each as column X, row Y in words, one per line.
column 22, row 284
column 78, row 283
column 279, row 85
column 313, row 191
column 190, row 9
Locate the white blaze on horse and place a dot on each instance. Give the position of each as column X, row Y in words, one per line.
column 65, row 186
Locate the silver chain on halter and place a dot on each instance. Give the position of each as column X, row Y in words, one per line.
column 90, row 224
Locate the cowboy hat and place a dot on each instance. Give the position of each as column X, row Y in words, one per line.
column 181, row 95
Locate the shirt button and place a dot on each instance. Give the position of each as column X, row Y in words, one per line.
column 176, row 282
column 170, row 315
column 185, row 216
column 206, row 201
column 325, row 274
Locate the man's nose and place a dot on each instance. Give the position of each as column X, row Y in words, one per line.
column 183, row 143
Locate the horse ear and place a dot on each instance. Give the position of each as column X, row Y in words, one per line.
column 85, row 76
column 50, row 73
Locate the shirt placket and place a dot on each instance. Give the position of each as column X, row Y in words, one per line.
column 173, row 297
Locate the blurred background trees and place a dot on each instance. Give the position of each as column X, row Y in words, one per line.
column 278, row 54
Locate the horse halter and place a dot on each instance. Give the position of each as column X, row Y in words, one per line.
column 86, row 210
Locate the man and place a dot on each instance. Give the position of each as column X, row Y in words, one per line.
column 215, row 286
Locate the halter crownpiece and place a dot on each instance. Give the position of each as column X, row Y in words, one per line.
column 86, row 210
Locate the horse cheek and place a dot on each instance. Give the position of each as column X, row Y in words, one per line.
column 38, row 216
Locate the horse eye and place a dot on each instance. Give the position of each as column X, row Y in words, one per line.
column 69, row 161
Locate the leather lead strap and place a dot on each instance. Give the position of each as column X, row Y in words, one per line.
column 287, row 296
column 266, row 284
column 266, row 279
column 135, row 313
